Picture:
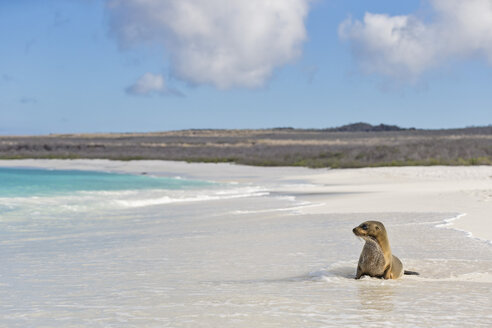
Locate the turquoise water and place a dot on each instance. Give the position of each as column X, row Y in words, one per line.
column 28, row 195
column 19, row 182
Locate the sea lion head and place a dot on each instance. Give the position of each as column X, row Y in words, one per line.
column 370, row 230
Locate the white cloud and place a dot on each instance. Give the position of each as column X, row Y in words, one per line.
column 149, row 84
column 223, row 43
column 406, row 46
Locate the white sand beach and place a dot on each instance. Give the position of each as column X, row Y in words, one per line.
column 280, row 256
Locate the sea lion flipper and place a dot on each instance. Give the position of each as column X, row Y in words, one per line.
column 387, row 273
column 359, row 272
column 396, row 267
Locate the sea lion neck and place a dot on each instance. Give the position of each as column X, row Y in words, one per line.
column 382, row 240
column 377, row 232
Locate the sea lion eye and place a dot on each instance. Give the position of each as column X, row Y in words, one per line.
column 377, row 228
column 364, row 227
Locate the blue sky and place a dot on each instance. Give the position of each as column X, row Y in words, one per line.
column 73, row 66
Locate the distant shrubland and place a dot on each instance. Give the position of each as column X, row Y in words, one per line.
column 355, row 145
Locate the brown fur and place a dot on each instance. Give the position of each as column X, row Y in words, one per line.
column 376, row 259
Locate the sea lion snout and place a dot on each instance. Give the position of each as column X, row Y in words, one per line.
column 361, row 230
column 357, row 231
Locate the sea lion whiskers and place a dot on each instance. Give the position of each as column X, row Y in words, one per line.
column 360, row 238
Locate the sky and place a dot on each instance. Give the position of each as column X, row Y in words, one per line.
column 85, row 66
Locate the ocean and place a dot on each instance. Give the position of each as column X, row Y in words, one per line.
column 95, row 249
column 19, row 182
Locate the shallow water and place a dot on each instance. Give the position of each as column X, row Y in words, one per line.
column 23, row 182
column 234, row 256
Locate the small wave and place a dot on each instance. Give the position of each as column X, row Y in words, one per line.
column 344, row 270
column 295, row 209
column 192, row 197
column 100, row 203
column 448, row 224
column 484, row 277
column 430, row 270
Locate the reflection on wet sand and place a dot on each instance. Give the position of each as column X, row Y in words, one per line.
column 378, row 297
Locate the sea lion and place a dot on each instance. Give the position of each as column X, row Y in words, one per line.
column 376, row 259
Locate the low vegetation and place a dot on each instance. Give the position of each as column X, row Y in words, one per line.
column 355, row 145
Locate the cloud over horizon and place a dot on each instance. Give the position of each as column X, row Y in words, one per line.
column 216, row 42
column 150, row 84
column 405, row 46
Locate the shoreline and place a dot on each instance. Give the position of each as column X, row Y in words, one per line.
column 466, row 191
